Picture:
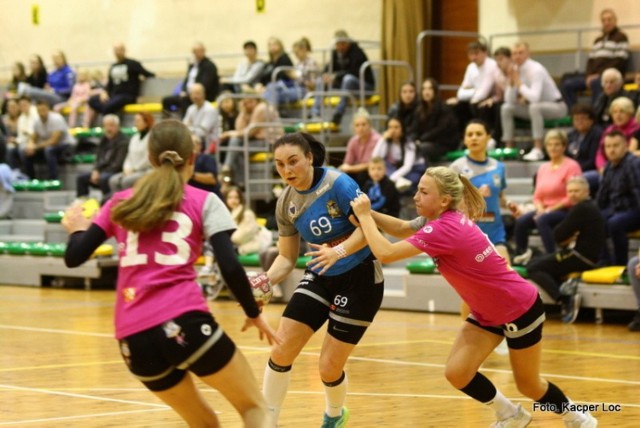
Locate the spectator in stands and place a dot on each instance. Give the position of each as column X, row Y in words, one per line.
column 253, row 110
column 633, row 272
column 621, row 112
column 619, row 194
column 205, row 169
column 406, row 106
column 435, row 129
column 382, row 192
column 26, row 123
column 80, row 94
column 609, row 50
column 18, row 75
column 477, row 85
column 549, row 197
column 228, row 110
column 249, row 237
column 531, row 94
column 303, row 77
column 136, row 163
column 203, row 71
column 247, row 72
column 10, row 122
column 59, row 83
column 37, row 77
column 201, row 117
column 277, row 58
column 360, row 147
column 580, row 236
column 403, row 163
column 110, row 156
column 612, row 88
column 343, row 72
column 489, row 176
column 50, row 139
column 584, row 140
column 123, row 86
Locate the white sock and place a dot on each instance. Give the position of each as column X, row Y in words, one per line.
column 503, row 407
column 334, row 397
column 571, row 415
column 274, row 389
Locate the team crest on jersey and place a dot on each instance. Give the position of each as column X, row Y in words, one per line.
column 292, row 210
column 333, row 209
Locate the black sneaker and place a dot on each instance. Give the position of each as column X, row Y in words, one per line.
column 571, row 309
column 634, row 325
column 337, row 118
column 569, row 287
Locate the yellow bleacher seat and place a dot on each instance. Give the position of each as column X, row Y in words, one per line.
column 261, row 157
column 103, row 250
column 605, row 275
column 143, row 108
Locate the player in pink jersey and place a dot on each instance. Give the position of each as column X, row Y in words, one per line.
column 163, row 324
column 502, row 304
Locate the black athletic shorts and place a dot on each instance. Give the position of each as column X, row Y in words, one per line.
column 350, row 301
column 160, row 356
column 522, row 333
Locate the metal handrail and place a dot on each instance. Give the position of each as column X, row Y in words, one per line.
column 579, row 35
column 277, row 70
column 324, row 94
column 381, row 63
column 438, row 33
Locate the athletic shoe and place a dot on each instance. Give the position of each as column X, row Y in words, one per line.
column 571, row 309
column 534, row 155
column 589, row 422
column 570, row 286
column 520, row 419
column 634, row 325
column 523, row 258
column 337, row 421
column 502, row 349
column 337, row 118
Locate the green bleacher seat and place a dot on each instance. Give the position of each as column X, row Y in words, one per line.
column 563, row 122
column 98, row 132
column 499, row 154
column 522, row 271
column 423, row 266
column 18, row 248
column 302, row 261
column 54, row 217
column 37, row 185
column 249, row 260
column 84, row 158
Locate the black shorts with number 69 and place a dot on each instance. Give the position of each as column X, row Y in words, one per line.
column 349, row 301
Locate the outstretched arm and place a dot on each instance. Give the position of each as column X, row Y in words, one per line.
column 384, row 250
column 393, row 226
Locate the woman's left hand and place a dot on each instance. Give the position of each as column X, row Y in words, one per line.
column 323, row 257
column 361, row 205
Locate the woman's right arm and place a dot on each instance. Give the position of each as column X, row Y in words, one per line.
column 289, row 247
column 393, row 226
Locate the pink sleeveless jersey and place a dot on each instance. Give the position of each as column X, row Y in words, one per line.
column 156, row 277
column 495, row 293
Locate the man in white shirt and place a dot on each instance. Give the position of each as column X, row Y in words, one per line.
column 478, row 84
column 201, row 116
column 531, row 94
column 247, row 72
column 50, row 138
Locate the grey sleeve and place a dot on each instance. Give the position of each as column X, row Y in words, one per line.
column 417, row 223
column 215, row 216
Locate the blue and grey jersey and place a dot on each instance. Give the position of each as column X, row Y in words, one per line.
column 320, row 215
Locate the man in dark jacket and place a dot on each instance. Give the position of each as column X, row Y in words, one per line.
column 202, row 71
column 123, row 86
column 609, row 50
column 110, row 156
column 343, row 72
column 580, row 235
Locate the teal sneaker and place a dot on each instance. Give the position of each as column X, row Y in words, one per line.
column 337, row 421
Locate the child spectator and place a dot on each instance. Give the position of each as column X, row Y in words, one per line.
column 381, row 190
column 79, row 96
column 250, row 237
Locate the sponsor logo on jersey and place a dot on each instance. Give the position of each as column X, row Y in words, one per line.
column 333, row 209
column 323, row 189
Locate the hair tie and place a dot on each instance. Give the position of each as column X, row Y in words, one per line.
column 171, row 156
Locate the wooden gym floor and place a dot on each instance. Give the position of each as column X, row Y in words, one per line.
column 60, row 366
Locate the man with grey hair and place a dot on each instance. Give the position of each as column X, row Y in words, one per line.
column 201, row 116
column 110, row 156
column 612, row 88
column 609, row 50
column 580, row 237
